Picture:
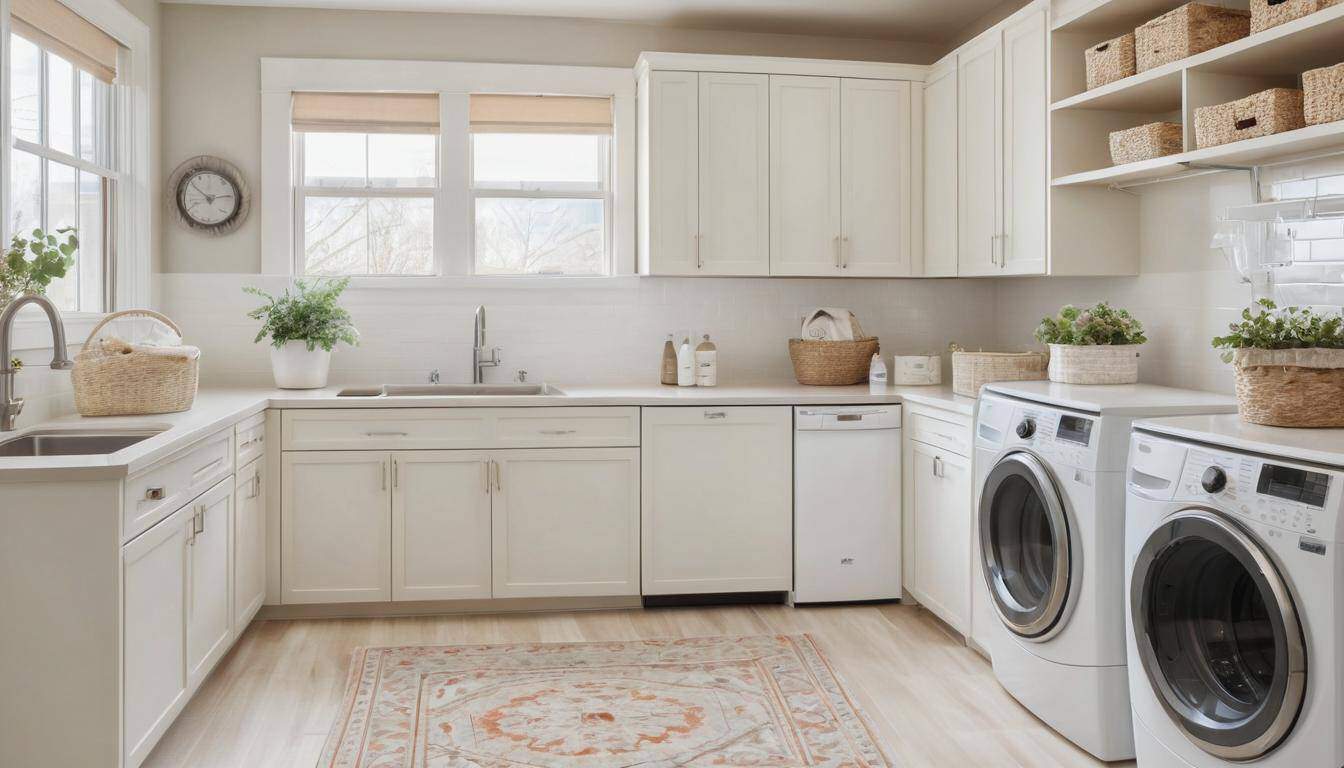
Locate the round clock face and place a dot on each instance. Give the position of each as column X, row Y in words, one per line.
column 208, row 198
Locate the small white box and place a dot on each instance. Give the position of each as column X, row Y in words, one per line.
column 917, row 369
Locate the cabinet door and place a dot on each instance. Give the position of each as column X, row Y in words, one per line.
column 673, row 168
column 979, row 152
column 804, row 175
column 440, row 525
column 717, row 497
column 249, row 544
column 154, row 617
column 734, row 174
column 942, row 527
column 940, row 170
column 875, row 177
column 209, row 582
column 335, row 527
column 566, row 522
column 1022, row 250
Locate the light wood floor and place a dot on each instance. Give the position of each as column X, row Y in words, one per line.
column 935, row 702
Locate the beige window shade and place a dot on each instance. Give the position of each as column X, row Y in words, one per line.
column 499, row 113
column 51, row 25
column 366, row 112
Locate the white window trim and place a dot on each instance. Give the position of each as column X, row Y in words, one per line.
column 454, row 82
column 130, row 260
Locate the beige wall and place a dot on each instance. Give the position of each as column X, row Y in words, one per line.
column 211, row 76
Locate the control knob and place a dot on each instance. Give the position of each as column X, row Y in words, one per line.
column 1026, row 428
column 1214, row 480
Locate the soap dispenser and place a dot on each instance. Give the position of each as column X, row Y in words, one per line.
column 685, row 364
column 669, row 372
column 706, row 363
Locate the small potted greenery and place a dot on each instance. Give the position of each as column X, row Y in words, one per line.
column 1098, row 345
column 34, row 261
column 1289, row 364
column 304, row 326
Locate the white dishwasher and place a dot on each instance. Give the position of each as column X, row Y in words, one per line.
column 847, row 504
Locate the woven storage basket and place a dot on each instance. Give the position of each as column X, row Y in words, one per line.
column 832, row 363
column 1110, row 61
column 1095, row 363
column 972, row 370
column 1291, row 387
column 1261, row 114
column 1193, row 28
column 1271, row 13
column 113, row 377
column 1323, row 95
column 1146, row 142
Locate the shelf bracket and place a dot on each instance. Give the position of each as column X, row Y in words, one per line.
column 1254, row 170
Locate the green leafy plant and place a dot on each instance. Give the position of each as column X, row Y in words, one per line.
column 33, row 262
column 1086, row 327
column 1272, row 328
column 309, row 314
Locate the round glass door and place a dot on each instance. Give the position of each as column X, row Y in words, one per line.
column 1024, row 546
column 1218, row 635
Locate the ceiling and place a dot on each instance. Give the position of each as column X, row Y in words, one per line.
column 932, row 21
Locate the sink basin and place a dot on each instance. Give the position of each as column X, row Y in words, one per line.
column 454, row 390
column 71, row 443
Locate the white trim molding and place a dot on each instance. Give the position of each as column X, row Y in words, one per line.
column 771, row 65
column 454, row 82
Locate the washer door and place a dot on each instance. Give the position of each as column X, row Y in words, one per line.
column 1025, row 546
column 1218, row 635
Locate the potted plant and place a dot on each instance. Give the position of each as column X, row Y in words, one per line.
column 304, row 326
column 1098, row 345
column 33, row 262
column 1289, row 364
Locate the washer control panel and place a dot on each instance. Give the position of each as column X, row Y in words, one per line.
column 1283, row 494
column 1064, row 437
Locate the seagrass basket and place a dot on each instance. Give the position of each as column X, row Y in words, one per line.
column 1260, row 114
column 1271, row 13
column 1146, row 142
column 1193, row 28
column 114, row 377
column 1094, row 363
column 1110, row 61
column 832, row 363
column 1290, row 387
column 972, row 370
column 1323, row 95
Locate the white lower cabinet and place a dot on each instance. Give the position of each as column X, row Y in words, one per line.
column 249, row 543
column 209, row 616
column 717, row 500
column 335, row 527
column 440, row 525
column 941, row 510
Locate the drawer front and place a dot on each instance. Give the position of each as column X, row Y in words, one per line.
column 396, row 429
column 250, row 439
column 568, row 427
column 948, row 435
column 157, row 492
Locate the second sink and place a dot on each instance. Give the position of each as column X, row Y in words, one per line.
column 58, row 443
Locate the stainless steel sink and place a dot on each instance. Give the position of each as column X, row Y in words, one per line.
column 72, row 443
column 454, row 390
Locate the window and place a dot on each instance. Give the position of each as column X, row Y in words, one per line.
column 62, row 170
column 367, row 165
column 541, row 184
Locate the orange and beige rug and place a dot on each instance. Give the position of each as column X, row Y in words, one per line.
column 770, row 701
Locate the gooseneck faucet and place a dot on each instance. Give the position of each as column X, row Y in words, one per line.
column 478, row 362
column 11, row 406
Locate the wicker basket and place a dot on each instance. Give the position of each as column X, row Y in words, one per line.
column 1271, row 13
column 1291, row 387
column 1323, row 95
column 1146, row 142
column 972, row 370
column 1095, row 363
column 113, row 377
column 1193, row 28
column 832, row 363
column 1110, row 61
column 1261, row 114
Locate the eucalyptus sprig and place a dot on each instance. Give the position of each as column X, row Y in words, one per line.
column 1087, row 327
column 33, row 262
column 311, row 314
column 1272, row 328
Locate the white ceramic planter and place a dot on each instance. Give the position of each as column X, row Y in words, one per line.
column 1094, row 364
column 297, row 367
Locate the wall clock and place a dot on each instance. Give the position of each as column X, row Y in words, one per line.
column 209, row 195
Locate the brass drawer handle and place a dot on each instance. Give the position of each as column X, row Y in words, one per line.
column 154, row 494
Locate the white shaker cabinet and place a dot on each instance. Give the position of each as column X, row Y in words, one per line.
column 249, row 543
column 940, row 170
column 734, row 156
column 979, row 155
column 566, row 522
column 669, row 168
column 942, row 523
column 209, row 571
column 335, row 527
column 1026, row 180
column 440, row 525
column 805, row 179
column 875, row 163
column 717, row 499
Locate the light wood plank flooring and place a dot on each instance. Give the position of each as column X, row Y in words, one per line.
column 935, row 702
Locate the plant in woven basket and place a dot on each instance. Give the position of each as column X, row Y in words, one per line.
column 1272, row 328
column 1098, row 325
column 34, row 261
column 310, row 314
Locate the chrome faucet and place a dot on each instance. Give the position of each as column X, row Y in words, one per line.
column 479, row 363
column 11, row 406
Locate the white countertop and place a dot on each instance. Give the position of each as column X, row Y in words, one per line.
column 1135, row 400
column 1319, row 446
column 216, row 409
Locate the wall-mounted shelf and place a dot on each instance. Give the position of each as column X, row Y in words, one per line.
column 1110, row 17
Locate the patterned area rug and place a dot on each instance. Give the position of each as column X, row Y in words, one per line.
column 770, row 701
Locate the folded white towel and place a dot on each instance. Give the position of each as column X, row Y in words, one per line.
column 830, row 324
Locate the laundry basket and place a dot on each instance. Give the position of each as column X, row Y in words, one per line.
column 832, row 363
column 116, row 377
column 1290, row 387
column 972, row 370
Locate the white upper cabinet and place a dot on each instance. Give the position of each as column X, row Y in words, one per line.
column 805, row 178
column 440, row 525
column 734, row 235
column 979, row 153
column 940, row 170
column 1026, row 183
column 669, row 167
column 875, row 239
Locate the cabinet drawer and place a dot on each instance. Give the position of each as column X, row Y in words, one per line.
column 569, row 427
column 947, row 435
column 250, row 439
column 383, row 429
column 155, row 493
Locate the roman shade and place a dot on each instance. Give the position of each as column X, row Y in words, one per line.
column 506, row 113
column 53, row 26
column 366, row 112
